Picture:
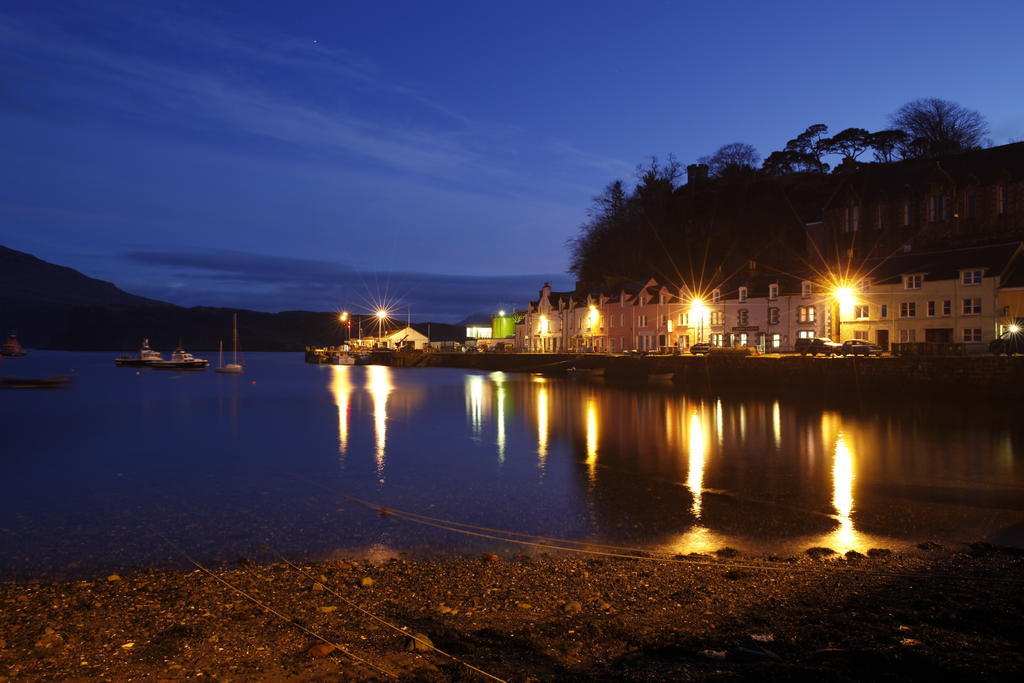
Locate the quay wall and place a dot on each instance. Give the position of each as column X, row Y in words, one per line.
column 923, row 377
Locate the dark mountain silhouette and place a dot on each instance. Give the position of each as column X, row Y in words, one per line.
column 57, row 307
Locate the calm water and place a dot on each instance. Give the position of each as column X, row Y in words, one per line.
column 93, row 475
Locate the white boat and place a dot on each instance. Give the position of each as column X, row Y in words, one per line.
column 234, row 367
column 343, row 359
column 180, row 360
column 146, row 357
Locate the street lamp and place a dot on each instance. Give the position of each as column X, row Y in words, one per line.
column 699, row 309
column 343, row 317
column 381, row 317
column 845, row 297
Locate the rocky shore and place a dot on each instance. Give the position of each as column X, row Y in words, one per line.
column 934, row 611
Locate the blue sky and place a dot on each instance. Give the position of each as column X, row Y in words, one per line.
column 323, row 155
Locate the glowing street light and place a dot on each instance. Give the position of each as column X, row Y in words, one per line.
column 382, row 315
column 343, row 317
column 1013, row 329
column 699, row 310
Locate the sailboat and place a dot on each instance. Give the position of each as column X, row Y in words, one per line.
column 232, row 368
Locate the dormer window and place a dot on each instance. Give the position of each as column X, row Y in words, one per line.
column 773, row 291
column 743, row 293
column 971, row 277
column 912, row 281
column 716, row 295
column 805, row 289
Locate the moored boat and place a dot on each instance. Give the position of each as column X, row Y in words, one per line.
column 180, row 360
column 29, row 383
column 146, row 357
column 11, row 347
column 234, row 367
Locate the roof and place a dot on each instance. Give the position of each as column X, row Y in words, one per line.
column 874, row 181
column 942, row 265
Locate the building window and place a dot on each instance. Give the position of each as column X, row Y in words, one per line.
column 773, row 316
column 775, row 341
column 684, row 319
column 860, row 334
column 938, row 208
column 773, row 291
column 805, row 334
column 1002, row 197
column 622, row 319
column 972, row 335
column 912, row 281
column 860, row 312
column 908, row 336
column 931, row 309
column 908, row 309
column 970, row 277
column 972, row 306
column 879, row 215
column 906, row 214
column 641, row 321
column 947, row 307
column 810, row 314
column 716, row 339
column 743, row 294
column 741, row 339
column 742, row 317
column 661, row 298
column 805, row 289
column 716, row 294
column 851, row 219
column 883, row 312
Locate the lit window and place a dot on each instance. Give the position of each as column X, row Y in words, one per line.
column 908, row 309
column 972, row 306
column 810, row 314
column 805, row 334
column 776, row 341
column 912, row 281
column 971, row 277
column 972, row 334
column 717, row 318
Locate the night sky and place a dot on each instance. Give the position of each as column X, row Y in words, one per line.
column 325, row 155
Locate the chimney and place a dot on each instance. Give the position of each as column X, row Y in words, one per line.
column 696, row 173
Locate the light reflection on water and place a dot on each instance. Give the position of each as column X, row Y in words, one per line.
column 554, row 457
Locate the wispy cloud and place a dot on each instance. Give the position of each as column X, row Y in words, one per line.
column 231, row 278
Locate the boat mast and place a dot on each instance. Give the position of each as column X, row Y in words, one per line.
column 234, row 338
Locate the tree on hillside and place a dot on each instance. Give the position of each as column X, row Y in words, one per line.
column 886, row 143
column 849, row 143
column 937, row 127
column 730, row 159
column 802, row 153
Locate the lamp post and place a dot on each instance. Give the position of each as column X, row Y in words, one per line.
column 381, row 316
column 699, row 309
column 348, row 325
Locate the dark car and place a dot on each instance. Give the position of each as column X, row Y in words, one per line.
column 700, row 349
column 859, row 347
column 1008, row 343
column 816, row 345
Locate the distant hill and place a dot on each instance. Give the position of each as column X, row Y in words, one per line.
column 57, row 307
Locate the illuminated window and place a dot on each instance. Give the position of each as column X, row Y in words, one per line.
column 716, row 339
column 912, row 281
column 972, row 306
column 717, row 318
column 805, row 334
column 810, row 314
column 775, row 341
column 972, row 334
column 741, row 339
column 970, row 277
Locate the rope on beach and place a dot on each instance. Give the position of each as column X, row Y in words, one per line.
column 373, row 616
column 289, row 620
column 651, row 556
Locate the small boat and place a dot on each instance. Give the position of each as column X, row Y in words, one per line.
column 146, row 357
column 362, row 356
column 343, row 359
column 234, row 367
column 11, row 347
column 28, row 383
column 180, row 360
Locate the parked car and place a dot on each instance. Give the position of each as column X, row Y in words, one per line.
column 1009, row 343
column 859, row 347
column 816, row 345
column 700, row 349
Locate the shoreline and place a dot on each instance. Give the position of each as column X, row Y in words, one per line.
column 920, row 613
